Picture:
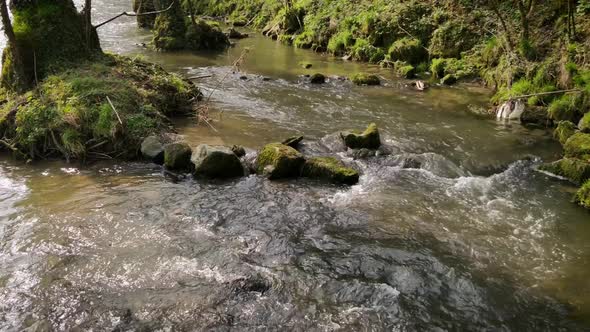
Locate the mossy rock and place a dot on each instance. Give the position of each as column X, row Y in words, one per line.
column 564, row 108
column 317, row 79
column 584, row 124
column 564, row 130
column 369, row 139
column 153, row 149
column 409, row 50
column 170, row 27
column 330, row 169
column 578, row 146
column 205, row 36
column 216, row 162
column 279, row 161
column 575, row 170
column 365, row 79
column 582, row 196
column 407, row 71
column 449, row 79
column 177, row 156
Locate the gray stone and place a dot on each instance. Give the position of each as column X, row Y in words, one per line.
column 216, row 162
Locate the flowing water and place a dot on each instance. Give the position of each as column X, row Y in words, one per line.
column 468, row 236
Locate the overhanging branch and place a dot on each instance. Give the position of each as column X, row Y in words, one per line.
column 133, row 15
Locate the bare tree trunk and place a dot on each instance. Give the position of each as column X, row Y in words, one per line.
column 88, row 21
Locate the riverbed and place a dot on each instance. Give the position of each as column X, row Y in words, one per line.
column 470, row 238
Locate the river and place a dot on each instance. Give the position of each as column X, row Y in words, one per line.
column 473, row 238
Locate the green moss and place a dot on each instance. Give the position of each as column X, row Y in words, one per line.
column 582, row 196
column 330, row 169
column 578, row 146
column 170, row 27
column 564, row 109
column 575, row 170
column 365, row 79
column 451, row 39
column 369, row 139
column 584, row 123
column 406, row 49
column 339, row 43
column 407, row 71
column 279, row 161
column 304, row 40
column 563, row 131
column 177, row 156
column 204, row 36
column 364, row 51
column 69, row 113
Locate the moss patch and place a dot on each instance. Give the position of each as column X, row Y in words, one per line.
column 69, row 115
column 330, row 169
column 578, row 146
column 563, row 131
column 279, row 161
column 582, row 196
column 369, row 139
column 365, row 79
column 575, row 170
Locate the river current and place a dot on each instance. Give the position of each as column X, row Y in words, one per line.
column 468, row 236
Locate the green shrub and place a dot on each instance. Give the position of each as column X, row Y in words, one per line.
column 564, row 109
column 451, row 39
column 364, row 51
column 340, row 42
column 409, row 50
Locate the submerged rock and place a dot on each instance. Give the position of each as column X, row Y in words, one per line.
column 152, row 149
column 330, row 169
column 293, row 141
column 365, row 79
column 577, row 171
column 578, row 146
column 369, row 139
column 318, row 79
column 564, row 130
column 362, row 153
column 216, row 162
column 305, row 65
column 177, row 156
column 278, row 161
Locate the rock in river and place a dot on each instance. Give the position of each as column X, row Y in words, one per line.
column 369, row 139
column 216, row 162
column 153, row 149
column 330, row 169
column 318, row 79
column 278, row 161
column 177, row 156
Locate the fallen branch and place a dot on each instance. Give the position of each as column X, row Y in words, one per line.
column 133, row 15
column 199, row 77
column 545, row 93
column 13, row 148
column 114, row 109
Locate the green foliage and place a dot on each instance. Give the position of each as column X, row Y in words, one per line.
column 451, row 39
column 409, row 50
column 364, row 51
column 340, row 42
column 582, row 196
column 564, row 130
column 564, row 108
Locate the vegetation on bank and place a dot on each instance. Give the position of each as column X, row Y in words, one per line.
column 63, row 97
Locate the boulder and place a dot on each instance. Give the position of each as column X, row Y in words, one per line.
column 293, row 141
column 369, row 139
column 575, row 170
column 216, row 162
column 177, row 156
column 238, row 150
column 153, row 149
column 578, row 146
column 329, row 169
column 563, row 131
column 235, row 34
column 582, row 197
column 318, row 78
column 278, row 161
column 365, row 79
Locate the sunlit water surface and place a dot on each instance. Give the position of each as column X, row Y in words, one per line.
column 473, row 238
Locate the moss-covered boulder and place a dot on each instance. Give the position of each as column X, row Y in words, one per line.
column 564, row 108
column 177, row 156
column 216, row 162
column 152, row 149
column 582, row 196
column 369, row 139
column 578, row 146
column 564, row 130
column 365, row 79
column 575, row 170
column 204, row 36
column 145, row 6
column 329, row 169
column 409, row 50
column 584, row 124
column 317, row 79
column 279, row 161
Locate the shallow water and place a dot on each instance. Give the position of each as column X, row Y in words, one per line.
column 473, row 238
